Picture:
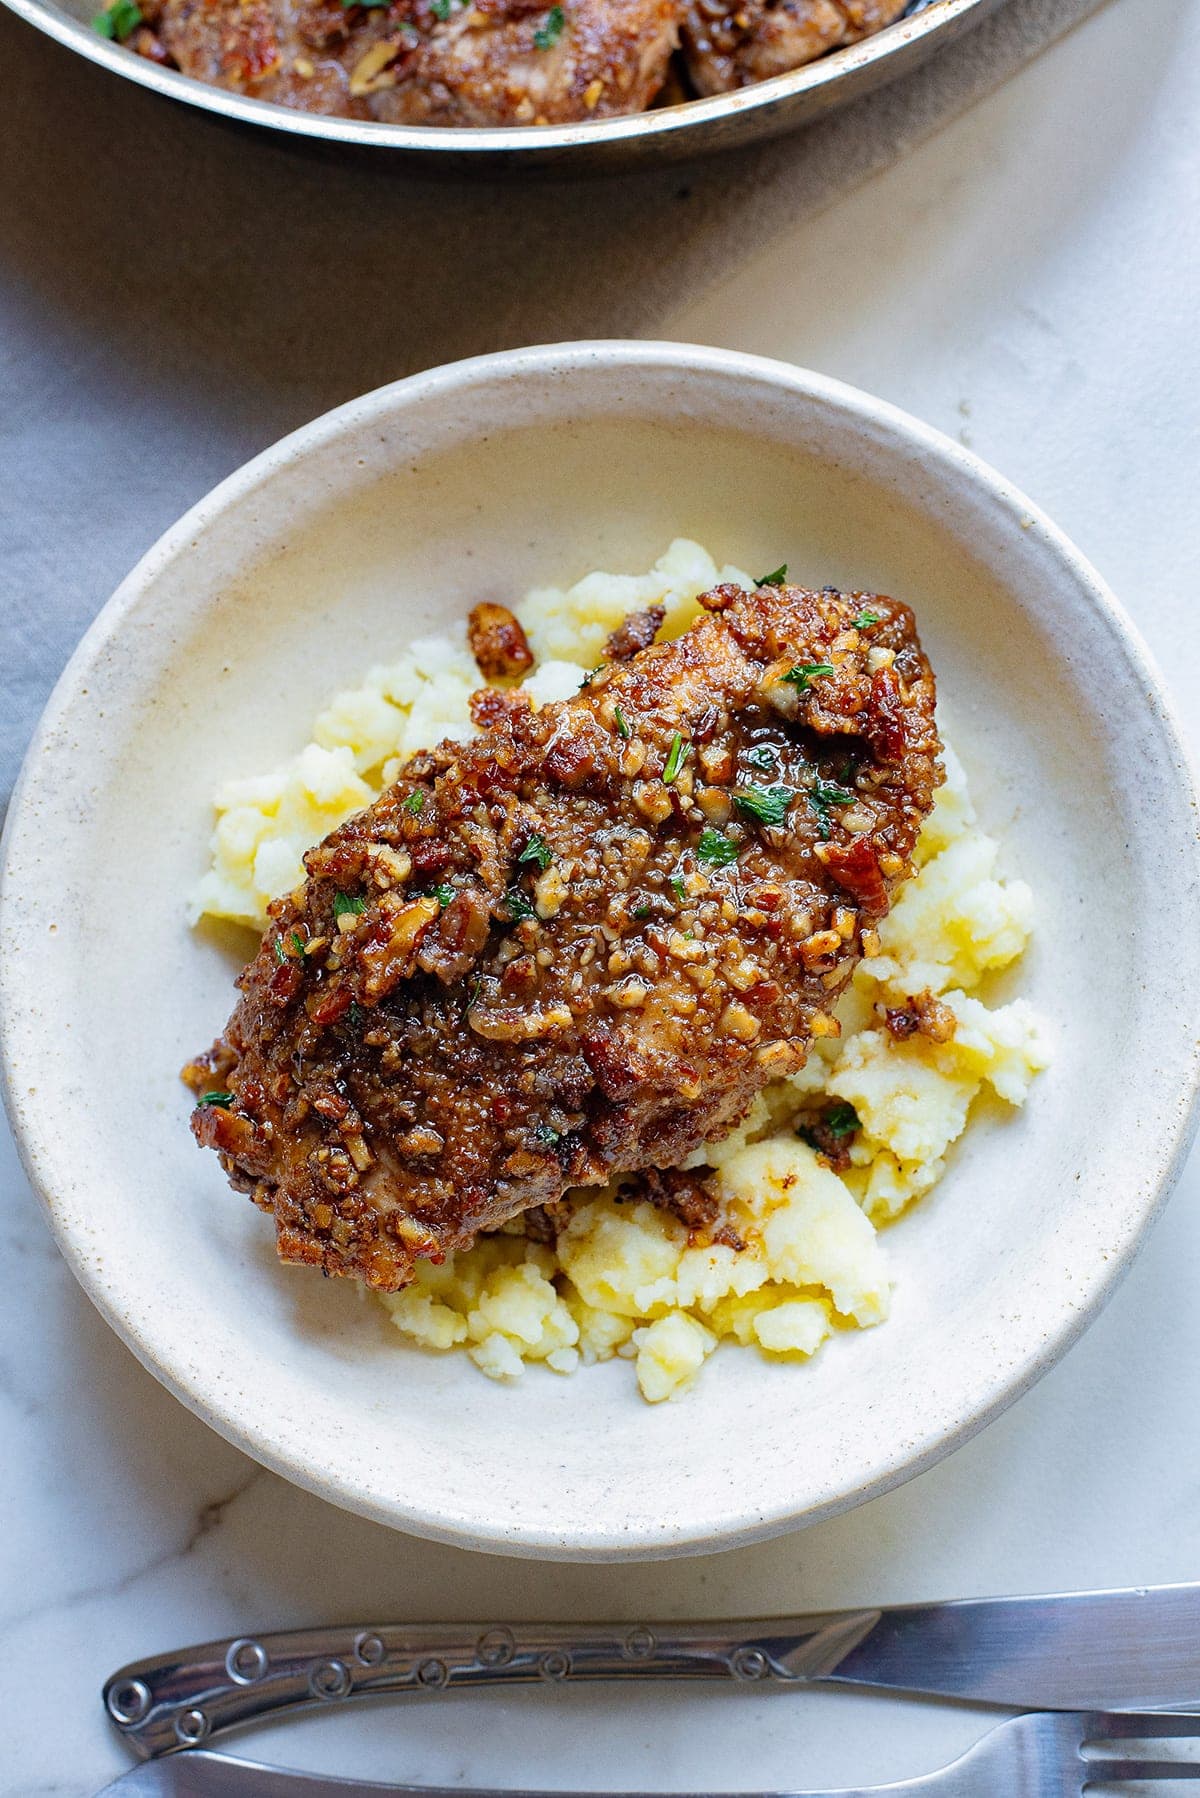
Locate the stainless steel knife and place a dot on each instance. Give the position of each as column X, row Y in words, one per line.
column 1137, row 1648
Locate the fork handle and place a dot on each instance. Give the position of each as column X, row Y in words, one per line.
column 180, row 1700
column 203, row 1775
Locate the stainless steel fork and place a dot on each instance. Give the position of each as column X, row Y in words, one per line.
column 1045, row 1754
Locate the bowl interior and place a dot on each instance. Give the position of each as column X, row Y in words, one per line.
column 392, row 517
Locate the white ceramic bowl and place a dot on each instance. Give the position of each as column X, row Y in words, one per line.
column 390, row 516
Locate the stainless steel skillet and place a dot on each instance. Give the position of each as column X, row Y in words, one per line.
column 672, row 133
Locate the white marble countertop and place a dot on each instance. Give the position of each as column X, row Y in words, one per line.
column 1025, row 276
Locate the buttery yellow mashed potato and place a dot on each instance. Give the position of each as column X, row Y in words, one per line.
column 623, row 1279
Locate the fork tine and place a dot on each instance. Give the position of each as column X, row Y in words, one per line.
column 1146, row 1726
column 1104, row 1773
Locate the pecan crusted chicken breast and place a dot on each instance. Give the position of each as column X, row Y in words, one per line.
column 424, row 62
column 734, row 43
column 578, row 945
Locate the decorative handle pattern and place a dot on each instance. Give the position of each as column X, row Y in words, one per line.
column 180, row 1700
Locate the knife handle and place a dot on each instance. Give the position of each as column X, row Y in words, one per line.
column 182, row 1699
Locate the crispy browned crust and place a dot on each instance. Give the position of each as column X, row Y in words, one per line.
column 494, row 62
column 487, row 1032
column 922, row 1014
column 636, row 631
column 734, row 43
column 498, row 643
column 425, row 62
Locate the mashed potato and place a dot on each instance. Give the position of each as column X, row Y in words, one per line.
column 625, row 1279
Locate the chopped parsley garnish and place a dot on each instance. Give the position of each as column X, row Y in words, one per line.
column 821, row 796
column 763, row 757
column 356, row 1015
column 414, row 803
column 641, row 910
column 348, row 904
column 841, row 1121
column 536, row 850
column 215, row 1099
column 806, row 673
column 678, row 888
column 118, row 20
column 443, row 894
column 716, row 849
column 591, row 674
column 517, row 905
column 619, row 720
column 298, row 943
column 365, row 3
column 277, row 951
column 775, row 579
column 547, row 35
column 865, row 620
column 676, row 757
column 768, row 805
column 544, row 1136
column 440, row 9
column 831, row 1128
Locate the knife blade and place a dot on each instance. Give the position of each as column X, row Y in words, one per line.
column 1136, row 1648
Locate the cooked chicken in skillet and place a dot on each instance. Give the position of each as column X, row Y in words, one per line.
column 424, row 62
column 578, row 945
column 486, row 62
column 733, row 43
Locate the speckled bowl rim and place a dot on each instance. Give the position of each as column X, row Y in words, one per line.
column 34, row 1123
